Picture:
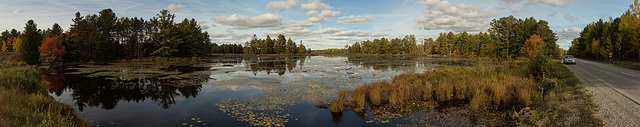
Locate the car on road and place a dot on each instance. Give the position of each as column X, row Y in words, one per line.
column 569, row 59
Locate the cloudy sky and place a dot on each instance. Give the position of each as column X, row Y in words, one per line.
column 322, row 24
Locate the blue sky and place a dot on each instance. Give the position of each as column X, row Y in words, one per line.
column 322, row 24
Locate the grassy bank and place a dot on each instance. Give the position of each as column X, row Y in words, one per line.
column 24, row 100
column 532, row 90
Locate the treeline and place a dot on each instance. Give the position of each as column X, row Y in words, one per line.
column 616, row 39
column 106, row 36
column 505, row 38
column 279, row 45
column 227, row 48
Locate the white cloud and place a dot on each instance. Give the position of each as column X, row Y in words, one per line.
column 347, row 39
column 446, row 21
column 568, row 34
column 281, row 5
column 218, row 35
column 548, row 2
column 239, row 37
column 442, row 15
column 329, row 30
column 315, row 5
column 429, row 35
column 570, row 18
column 301, row 23
column 359, row 33
column 559, row 3
column 360, row 19
column 174, row 7
column 273, row 21
column 300, row 32
column 312, row 13
column 316, row 16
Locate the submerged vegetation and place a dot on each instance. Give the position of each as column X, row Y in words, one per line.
column 24, row 100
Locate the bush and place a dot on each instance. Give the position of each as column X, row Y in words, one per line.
column 539, row 67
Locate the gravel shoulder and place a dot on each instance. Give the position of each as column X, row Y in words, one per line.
column 614, row 90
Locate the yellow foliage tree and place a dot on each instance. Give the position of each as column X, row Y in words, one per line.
column 5, row 46
column 17, row 44
column 533, row 46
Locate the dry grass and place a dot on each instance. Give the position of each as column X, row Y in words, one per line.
column 485, row 86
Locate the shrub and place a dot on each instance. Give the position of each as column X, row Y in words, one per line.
column 539, row 66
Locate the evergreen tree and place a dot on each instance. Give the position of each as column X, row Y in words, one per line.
column 32, row 39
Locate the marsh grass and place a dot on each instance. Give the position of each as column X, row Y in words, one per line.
column 487, row 86
column 25, row 102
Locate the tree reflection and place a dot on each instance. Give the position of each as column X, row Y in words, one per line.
column 402, row 63
column 99, row 92
column 270, row 65
column 384, row 63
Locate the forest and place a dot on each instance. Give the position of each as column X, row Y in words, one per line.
column 263, row 46
column 105, row 36
column 505, row 38
column 280, row 45
column 616, row 39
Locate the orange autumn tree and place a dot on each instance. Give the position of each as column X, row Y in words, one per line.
column 533, row 46
column 53, row 49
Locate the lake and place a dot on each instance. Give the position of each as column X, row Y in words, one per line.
column 241, row 91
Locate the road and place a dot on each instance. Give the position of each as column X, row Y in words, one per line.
column 615, row 89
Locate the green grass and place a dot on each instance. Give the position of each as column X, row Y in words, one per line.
column 24, row 100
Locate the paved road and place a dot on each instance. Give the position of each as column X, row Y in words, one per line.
column 615, row 89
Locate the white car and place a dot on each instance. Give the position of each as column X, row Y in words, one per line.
column 569, row 59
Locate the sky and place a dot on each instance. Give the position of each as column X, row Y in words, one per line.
column 322, row 24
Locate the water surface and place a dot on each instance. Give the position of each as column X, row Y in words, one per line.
column 244, row 91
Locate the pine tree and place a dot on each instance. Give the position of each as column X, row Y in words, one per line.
column 32, row 38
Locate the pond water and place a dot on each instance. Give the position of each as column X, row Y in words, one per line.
column 241, row 91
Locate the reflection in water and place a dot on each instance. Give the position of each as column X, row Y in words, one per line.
column 278, row 65
column 233, row 99
column 98, row 92
column 402, row 63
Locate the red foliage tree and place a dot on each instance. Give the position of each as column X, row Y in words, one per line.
column 53, row 48
column 533, row 46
